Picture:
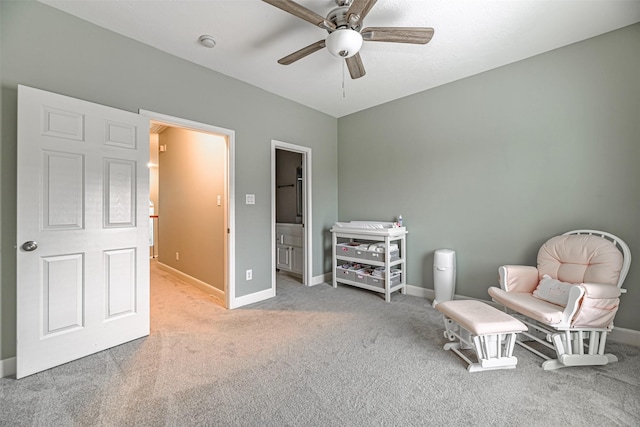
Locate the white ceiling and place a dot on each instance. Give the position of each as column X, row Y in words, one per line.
column 471, row 36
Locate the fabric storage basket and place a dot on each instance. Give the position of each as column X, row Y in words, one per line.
column 362, row 276
column 351, row 270
column 347, row 249
column 380, row 272
column 352, row 250
column 379, row 256
column 379, row 281
column 375, row 252
column 346, row 271
column 361, row 252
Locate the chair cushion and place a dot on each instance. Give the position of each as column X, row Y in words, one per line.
column 553, row 291
column 528, row 305
column 580, row 259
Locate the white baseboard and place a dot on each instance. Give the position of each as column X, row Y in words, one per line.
column 8, row 367
column 417, row 291
column 270, row 293
column 625, row 336
column 252, row 298
column 323, row 278
column 204, row 287
column 217, row 293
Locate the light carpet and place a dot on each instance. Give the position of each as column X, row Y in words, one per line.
column 311, row 357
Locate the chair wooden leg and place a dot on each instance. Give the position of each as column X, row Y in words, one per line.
column 594, row 340
column 572, row 348
column 603, row 341
column 574, row 355
column 493, row 351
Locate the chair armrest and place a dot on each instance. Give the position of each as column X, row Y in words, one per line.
column 591, row 305
column 518, row 278
column 600, row 291
column 597, row 307
column 573, row 304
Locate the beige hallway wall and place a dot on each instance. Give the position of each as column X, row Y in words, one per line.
column 192, row 176
column 153, row 184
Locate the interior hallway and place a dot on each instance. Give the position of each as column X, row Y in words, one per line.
column 163, row 283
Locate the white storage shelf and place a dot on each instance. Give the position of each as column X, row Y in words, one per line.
column 388, row 259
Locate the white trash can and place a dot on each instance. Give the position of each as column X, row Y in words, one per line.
column 444, row 275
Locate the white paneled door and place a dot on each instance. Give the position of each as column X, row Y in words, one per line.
column 82, row 229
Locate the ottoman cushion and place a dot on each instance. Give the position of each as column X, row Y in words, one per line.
column 480, row 318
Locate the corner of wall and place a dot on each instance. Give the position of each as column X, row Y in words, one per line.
column 8, row 367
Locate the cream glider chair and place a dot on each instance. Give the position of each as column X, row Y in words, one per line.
column 568, row 301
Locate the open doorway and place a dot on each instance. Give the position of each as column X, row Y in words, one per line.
column 290, row 215
column 191, row 193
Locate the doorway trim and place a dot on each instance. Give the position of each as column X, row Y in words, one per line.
column 306, row 209
column 230, row 279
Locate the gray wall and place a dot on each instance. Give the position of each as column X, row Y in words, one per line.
column 495, row 164
column 51, row 50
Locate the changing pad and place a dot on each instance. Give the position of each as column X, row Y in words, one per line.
column 366, row 225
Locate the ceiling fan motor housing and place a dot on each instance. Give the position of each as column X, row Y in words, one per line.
column 338, row 17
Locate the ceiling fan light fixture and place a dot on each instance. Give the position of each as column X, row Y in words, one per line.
column 344, row 43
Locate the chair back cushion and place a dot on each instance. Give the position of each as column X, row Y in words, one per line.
column 580, row 259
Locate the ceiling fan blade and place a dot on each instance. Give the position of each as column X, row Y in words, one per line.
column 356, row 67
column 302, row 12
column 358, row 10
column 289, row 59
column 398, row 34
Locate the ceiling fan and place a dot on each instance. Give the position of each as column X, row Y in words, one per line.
column 346, row 35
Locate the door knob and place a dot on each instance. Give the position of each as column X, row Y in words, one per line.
column 30, row 246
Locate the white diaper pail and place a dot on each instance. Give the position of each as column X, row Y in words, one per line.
column 444, row 275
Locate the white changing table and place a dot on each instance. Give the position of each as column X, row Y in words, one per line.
column 376, row 284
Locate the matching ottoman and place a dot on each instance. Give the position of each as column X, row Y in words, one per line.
column 491, row 333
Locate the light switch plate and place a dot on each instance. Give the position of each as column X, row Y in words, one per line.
column 250, row 199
